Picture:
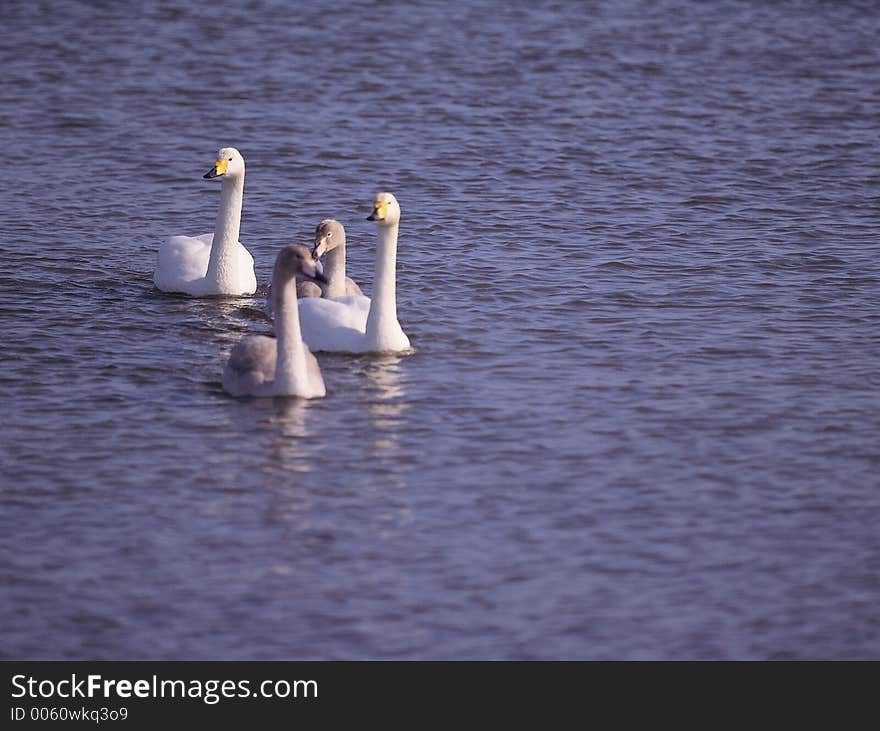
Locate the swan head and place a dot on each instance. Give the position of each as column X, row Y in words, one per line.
column 329, row 235
column 293, row 260
column 229, row 163
column 386, row 210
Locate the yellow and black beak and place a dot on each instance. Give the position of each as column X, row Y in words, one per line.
column 380, row 210
column 218, row 169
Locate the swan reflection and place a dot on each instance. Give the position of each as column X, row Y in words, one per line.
column 291, row 457
column 291, row 449
column 387, row 402
column 387, row 406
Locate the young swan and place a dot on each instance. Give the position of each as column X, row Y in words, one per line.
column 280, row 366
column 306, row 284
column 358, row 324
column 330, row 281
column 330, row 243
column 217, row 263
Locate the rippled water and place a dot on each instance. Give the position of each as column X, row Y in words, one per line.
column 639, row 262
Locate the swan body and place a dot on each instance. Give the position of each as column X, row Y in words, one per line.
column 217, row 263
column 283, row 365
column 314, row 288
column 357, row 324
column 335, row 325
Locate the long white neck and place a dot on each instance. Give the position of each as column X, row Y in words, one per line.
column 221, row 265
column 382, row 320
column 290, row 368
column 334, row 271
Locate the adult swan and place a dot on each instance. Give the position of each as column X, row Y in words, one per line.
column 356, row 324
column 212, row 264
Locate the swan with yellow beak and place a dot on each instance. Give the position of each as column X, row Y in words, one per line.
column 360, row 324
column 215, row 263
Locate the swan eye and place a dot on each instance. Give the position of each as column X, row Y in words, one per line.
column 230, row 159
column 329, row 234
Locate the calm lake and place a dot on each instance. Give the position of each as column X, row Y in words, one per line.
column 639, row 263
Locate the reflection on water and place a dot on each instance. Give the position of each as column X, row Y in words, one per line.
column 291, row 449
column 644, row 419
column 387, row 402
column 290, row 446
column 290, row 455
column 385, row 396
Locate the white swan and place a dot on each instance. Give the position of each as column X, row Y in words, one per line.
column 355, row 324
column 330, row 244
column 280, row 366
column 212, row 264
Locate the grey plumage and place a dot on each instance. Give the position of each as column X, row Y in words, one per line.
column 281, row 366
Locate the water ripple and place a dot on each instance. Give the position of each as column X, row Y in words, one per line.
column 638, row 262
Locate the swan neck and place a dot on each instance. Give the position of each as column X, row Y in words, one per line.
column 290, row 368
column 383, row 307
column 334, row 271
column 226, row 229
